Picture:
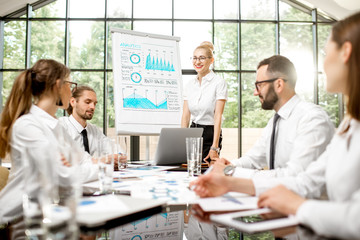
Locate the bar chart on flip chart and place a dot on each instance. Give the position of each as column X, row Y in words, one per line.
column 147, row 82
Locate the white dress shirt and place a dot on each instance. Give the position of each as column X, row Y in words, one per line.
column 202, row 98
column 303, row 131
column 39, row 132
column 97, row 139
column 337, row 172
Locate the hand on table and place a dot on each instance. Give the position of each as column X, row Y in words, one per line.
column 281, row 199
column 210, row 185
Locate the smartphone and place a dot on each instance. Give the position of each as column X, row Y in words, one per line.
column 255, row 218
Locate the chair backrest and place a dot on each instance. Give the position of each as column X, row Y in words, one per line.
column 4, row 174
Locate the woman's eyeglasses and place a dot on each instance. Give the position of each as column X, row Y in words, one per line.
column 201, row 58
column 73, row 85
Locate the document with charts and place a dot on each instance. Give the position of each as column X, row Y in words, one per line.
column 166, row 226
column 228, row 202
column 147, row 81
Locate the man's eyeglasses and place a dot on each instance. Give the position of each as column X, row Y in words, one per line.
column 258, row 86
column 201, row 59
column 73, row 85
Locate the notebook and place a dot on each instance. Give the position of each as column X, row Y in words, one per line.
column 100, row 210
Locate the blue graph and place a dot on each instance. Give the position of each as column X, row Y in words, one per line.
column 140, row 221
column 134, row 58
column 160, row 64
column 139, row 102
column 135, row 77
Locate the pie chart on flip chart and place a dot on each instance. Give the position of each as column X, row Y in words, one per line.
column 135, row 58
column 136, row 77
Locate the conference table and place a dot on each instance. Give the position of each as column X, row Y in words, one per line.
column 170, row 211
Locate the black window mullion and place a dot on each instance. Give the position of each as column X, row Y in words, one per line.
column 277, row 28
column 67, row 33
column 104, row 71
column 28, row 37
column 315, row 55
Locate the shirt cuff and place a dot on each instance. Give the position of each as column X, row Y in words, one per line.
column 263, row 184
column 244, row 172
column 305, row 211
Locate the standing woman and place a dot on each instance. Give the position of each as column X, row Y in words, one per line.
column 204, row 101
column 28, row 121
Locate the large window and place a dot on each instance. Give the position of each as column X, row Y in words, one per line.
column 76, row 32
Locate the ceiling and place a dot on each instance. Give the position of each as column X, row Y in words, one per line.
column 10, row 6
column 337, row 9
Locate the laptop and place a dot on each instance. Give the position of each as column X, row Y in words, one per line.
column 171, row 148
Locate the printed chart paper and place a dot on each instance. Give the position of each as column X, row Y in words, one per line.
column 147, row 82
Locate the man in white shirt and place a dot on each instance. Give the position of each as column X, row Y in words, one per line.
column 302, row 130
column 81, row 109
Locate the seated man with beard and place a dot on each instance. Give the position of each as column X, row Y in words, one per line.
column 81, row 109
column 297, row 134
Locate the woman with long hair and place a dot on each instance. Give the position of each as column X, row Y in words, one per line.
column 28, row 121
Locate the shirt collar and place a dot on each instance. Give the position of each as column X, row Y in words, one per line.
column 286, row 110
column 208, row 77
column 76, row 124
column 43, row 116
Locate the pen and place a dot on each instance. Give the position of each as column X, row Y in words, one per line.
column 206, row 172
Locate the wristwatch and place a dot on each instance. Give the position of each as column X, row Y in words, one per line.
column 215, row 149
column 229, row 170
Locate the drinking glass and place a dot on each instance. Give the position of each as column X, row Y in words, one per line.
column 59, row 210
column 121, row 144
column 106, row 166
column 33, row 196
column 194, row 154
column 49, row 199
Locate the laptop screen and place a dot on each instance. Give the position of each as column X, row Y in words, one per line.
column 171, row 149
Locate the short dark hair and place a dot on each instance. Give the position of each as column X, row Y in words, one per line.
column 78, row 93
column 280, row 66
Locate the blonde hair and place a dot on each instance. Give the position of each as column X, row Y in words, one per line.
column 29, row 85
column 208, row 47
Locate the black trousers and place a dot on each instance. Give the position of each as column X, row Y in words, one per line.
column 208, row 137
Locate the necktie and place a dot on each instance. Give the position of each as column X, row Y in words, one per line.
column 85, row 140
column 272, row 142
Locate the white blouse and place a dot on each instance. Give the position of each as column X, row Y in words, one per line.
column 202, row 98
column 337, row 172
column 41, row 133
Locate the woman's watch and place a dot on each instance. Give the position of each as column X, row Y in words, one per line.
column 229, row 170
column 215, row 149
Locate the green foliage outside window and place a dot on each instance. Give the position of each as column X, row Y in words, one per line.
column 257, row 41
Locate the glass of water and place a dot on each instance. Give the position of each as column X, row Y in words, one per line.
column 105, row 161
column 121, row 144
column 194, row 154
